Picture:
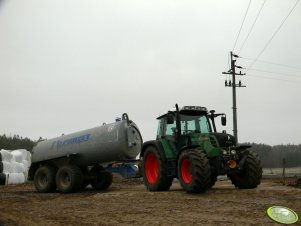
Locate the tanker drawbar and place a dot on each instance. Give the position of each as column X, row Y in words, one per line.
column 73, row 161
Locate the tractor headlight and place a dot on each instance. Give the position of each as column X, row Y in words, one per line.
column 233, row 152
column 225, row 152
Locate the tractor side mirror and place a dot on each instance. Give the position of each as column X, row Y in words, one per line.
column 224, row 120
column 170, row 119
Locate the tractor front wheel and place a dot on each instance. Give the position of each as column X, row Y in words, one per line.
column 194, row 171
column 250, row 175
column 155, row 171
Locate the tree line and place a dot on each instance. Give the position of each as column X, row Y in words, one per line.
column 16, row 142
column 271, row 156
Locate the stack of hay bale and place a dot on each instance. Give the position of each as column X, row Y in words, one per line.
column 14, row 166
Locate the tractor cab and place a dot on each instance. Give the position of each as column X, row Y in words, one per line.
column 191, row 126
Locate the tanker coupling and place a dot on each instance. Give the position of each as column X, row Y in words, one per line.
column 72, row 162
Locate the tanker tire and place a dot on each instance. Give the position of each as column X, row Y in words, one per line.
column 194, row 171
column 101, row 178
column 69, row 178
column 154, row 171
column 251, row 174
column 102, row 181
column 86, row 180
column 44, row 179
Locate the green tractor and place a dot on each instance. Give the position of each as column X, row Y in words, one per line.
column 188, row 147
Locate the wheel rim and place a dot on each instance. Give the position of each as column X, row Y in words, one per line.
column 65, row 179
column 42, row 180
column 186, row 171
column 151, row 168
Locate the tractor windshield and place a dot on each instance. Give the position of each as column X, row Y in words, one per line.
column 188, row 123
column 194, row 123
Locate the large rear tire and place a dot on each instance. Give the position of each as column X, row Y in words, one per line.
column 251, row 174
column 69, row 178
column 154, row 171
column 194, row 171
column 44, row 179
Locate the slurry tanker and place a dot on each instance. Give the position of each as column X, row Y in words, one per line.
column 71, row 162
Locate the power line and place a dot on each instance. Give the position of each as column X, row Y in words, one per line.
column 252, row 27
column 273, row 63
column 279, row 79
column 277, row 30
column 277, row 73
column 242, row 24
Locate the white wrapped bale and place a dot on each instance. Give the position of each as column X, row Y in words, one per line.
column 28, row 158
column 15, row 178
column 25, row 175
column 14, row 166
column 17, row 167
column 6, row 167
column 18, row 156
column 5, row 155
column 25, row 164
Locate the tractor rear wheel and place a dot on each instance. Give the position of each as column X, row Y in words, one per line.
column 69, row 178
column 154, row 171
column 251, row 174
column 194, row 171
column 44, row 179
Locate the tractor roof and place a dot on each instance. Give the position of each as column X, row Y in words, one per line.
column 189, row 110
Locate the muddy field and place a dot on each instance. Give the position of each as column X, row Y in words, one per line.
column 129, row 203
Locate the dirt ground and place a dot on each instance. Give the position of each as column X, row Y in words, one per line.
column 129, row 203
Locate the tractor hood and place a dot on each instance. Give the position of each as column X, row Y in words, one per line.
column 224, row 140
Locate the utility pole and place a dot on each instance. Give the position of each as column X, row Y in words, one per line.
column 233, row 84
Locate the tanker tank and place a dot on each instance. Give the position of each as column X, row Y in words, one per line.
column 110, row 142
column 84, row 154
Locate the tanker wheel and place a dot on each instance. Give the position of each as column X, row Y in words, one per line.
column 154, row 171
column 250, row 175
column 101, row 178
column 86, row 180
column 69, row 178
column 194, row 171
column 44, row 179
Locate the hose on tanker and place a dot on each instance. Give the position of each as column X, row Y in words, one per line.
column 125, row 116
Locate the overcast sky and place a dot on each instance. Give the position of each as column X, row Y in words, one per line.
column 69, row 65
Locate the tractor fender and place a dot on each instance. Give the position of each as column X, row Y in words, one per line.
column 185, row 148
column 157, row 144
